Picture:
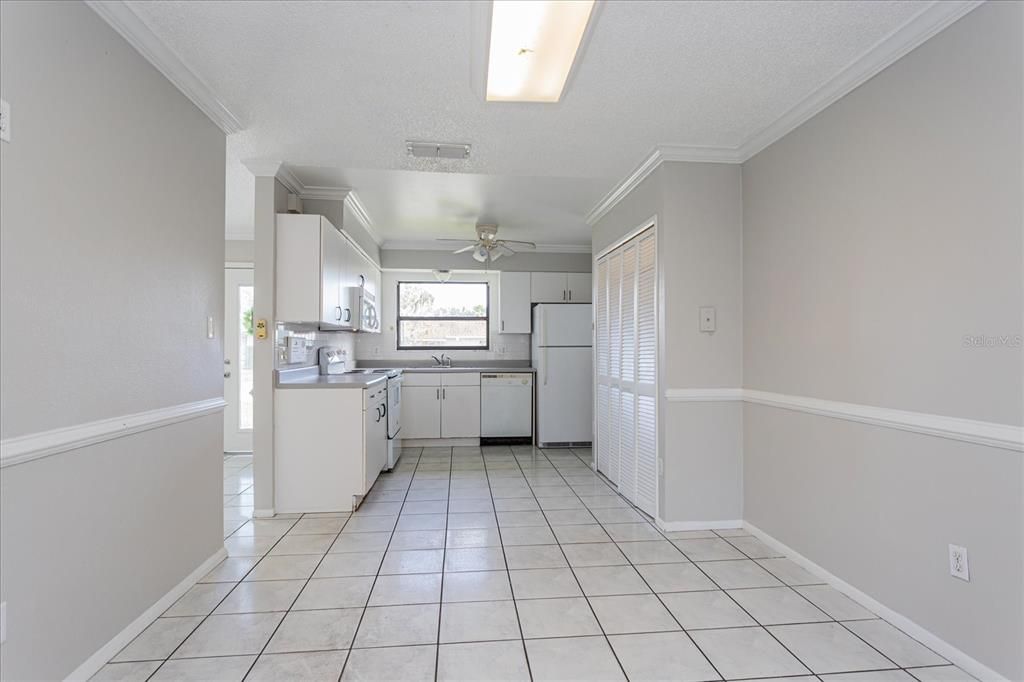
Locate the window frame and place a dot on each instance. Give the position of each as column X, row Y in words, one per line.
column 399, row 318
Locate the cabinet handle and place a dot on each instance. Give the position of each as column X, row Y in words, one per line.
column 444, row 394
column 563, row 294
column 337, row 313
column 503, row 325
column 437, row 394
column 570, row 294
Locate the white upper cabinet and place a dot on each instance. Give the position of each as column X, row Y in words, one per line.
column 315, row 262
column 549, row 287
column 310, row 256
column 580, row 287
column 514, row 303
column 332, row 267
column 560, row 287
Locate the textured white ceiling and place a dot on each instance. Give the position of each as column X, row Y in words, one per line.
column 343, row 84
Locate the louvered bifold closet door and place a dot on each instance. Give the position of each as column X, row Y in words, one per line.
column 627, row 373
column 614, row 364
column 646, row 376
column 602, row 353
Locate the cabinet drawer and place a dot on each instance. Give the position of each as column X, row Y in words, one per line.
column 421, row 378
column 460, row 379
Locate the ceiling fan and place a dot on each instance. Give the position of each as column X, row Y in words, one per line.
column 487, row 246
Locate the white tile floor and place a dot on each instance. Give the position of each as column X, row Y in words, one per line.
column 506, row 564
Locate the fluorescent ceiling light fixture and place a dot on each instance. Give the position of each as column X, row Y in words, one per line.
column 533, row 45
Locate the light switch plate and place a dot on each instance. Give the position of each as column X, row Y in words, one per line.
column 958, row 566
column 707, row 319
column 5, row 120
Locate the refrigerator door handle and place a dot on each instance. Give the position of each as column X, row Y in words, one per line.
column 544, row 352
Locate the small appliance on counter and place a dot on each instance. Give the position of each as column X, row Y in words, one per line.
column 333, row 360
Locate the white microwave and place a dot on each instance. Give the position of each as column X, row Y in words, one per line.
column 366, row 303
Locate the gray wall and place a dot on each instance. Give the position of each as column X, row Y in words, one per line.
column 698, row 208
column 521, row 262
column 876, row 236
column 112, row 248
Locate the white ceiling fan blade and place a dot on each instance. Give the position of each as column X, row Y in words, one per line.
column 495, row 255
column 464, row 241
column 464, row 249
column 503, row 245
column 529, row 245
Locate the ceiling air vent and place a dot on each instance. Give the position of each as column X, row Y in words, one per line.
column 437, row 150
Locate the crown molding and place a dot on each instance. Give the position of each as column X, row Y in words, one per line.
column 266, row 168
column 133, row 29
column 359, row 211
column 321, row 193
column 911, row 34
column 287, row 178
column 428, row 245
column 657, row 156
column 897, row 44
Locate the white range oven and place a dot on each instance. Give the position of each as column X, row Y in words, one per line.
column 394, row 417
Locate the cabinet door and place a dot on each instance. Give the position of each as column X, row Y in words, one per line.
column 548, row 287
column 514, row 303
column 376, row 434
column 332, row 255
column 460, row 412
column 421, row 411
column 580, row 287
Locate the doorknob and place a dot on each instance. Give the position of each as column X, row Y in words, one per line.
column 227, row 374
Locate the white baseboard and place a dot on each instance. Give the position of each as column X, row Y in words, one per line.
column 935, row 643
column 672, row 526
column 263, row 513
column 440, row 442
column 93, row 664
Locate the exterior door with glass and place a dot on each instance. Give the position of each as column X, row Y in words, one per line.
column 238, row 338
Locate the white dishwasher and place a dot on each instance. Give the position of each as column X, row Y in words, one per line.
column 506, row 408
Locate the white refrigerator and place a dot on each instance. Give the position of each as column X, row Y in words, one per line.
column 563, row 356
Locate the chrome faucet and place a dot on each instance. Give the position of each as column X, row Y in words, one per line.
column 443, row 361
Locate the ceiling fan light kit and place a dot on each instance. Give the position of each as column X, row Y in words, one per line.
column 487, row 247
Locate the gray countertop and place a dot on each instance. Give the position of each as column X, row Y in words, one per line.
column 457, row 368
column 310, row 377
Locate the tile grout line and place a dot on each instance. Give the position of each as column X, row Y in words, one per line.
column 508, row 573
column 221, row 601
column 566, row 558
column 369, row 594
column 444, row 558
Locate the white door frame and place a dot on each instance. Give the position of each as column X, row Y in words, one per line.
column 235, row 275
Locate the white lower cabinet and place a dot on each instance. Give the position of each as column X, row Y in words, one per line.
column 330, row 445
column 441, row 405
column 460, row 411
column 421, row 411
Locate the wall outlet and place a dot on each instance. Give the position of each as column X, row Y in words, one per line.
column 5, row 120
column 3, row 622
column 707, row 319
column 958, row 566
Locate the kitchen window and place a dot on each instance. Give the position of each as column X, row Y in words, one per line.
column 443, row 316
